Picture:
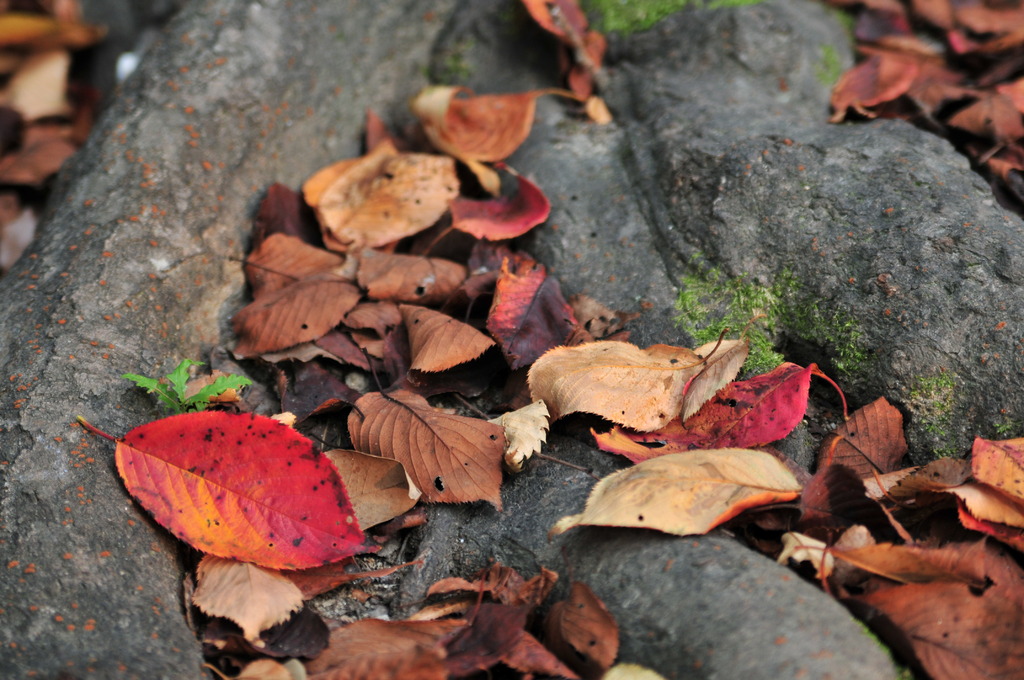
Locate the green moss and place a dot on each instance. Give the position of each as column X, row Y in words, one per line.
column 710, row 302
column 452, row 66
column 932, row 402
column 829, row 68
column 1009, row 427
column 630, row 16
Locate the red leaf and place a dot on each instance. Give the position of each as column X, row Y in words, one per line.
column 743, row 414
column 880, row 78
column 243, row 487
column 528, row 315
column 870, row 441
column 503, row 217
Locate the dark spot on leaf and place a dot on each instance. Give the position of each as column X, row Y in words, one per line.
column 640, row 518
column 438, row 484
column 315, row 487
column 420, row 290
column 297, row 541
column 305, row 326
column 493, row 437
column 731, row 403
column 673, row 361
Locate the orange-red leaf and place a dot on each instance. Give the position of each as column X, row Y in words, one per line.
column 870, row 441
column 582, row 632
column 439, row 342
column 280, row 260
column 408, row 278
column 999, row 464
column 240, row 486
column 880, row 78
column 451, row 459
column 502, row 217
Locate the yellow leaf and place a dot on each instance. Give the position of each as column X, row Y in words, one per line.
column 686, row 493
column 631, row 671
column 638, row 388
column 802, row 548
column 253, row 597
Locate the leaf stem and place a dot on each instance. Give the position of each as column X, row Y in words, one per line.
column 566, row 463
column 95, row 430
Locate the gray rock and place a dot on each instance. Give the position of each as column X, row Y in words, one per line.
column 133, row 271
column 898, row 271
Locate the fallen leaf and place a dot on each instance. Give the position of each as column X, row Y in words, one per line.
column 752, row 412
column 408, row 278
column 999, row 464
column 528, row 314
column 834, row 500
column 313, row 390
column 724, row 360
column 502, row 583
column 937, row 476
column 526, row 430
column 641, row 389
column 283, row 211
column 989, row 504
column 240, row 486
column 992, row 116
column 451, row 459
column 631, row 671
column 280, row 260
column 303, row 634
column 582, row 632
column 317, row 580
column 269, row 669
column 298, row 313
column 493, row 632
column 869, row 443
column 439, row 342
column 916, row 564
column 43, row 151
column 596, row 109
column 377, row 487
column 880, row 78
column 803, row 548
column 503, row 217
column 528, row 655
column 686, row 493
column 384, row 196
column 597, row 318
column 948, row 629
column 37, row 88
column 252, row 597
column 372, row 649
column 380, row 317
column 43, row 32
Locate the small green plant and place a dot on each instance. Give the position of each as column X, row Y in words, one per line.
column 171, row 388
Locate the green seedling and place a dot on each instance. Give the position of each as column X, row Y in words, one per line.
column 171, row 388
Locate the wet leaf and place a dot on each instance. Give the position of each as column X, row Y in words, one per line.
column 638, row 388
column 686, row 493
column 252, row 597
column 242, row 487
column 451, row 459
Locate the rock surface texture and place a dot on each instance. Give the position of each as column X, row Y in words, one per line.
column 720, row 156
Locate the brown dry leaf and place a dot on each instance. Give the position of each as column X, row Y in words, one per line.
column 686, row 493
column 409, row 278
column 530, row 657
column 880, row 78
column 599, row 320
column 317, row 580
column 526, row 430
column 451, row 459
column 37, row 88
column 993, row 116
column 380, row 317
column 950, row 629
column 582, row 632
column 41, row 32
column 384, row 196
column 43, row 150
column 253, row 597
column 880, row 485
column 638, row 388
column 913, row 564
column 372, row 649
column 280, row 260
column 802, row 548
column 870, row 442
column 301, row 312
column 439, row 342
column 378, row 487
column 723, row 363
column 502, row 583
column 936, row 476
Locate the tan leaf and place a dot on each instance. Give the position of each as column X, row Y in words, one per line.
column 723, row 363
column 999, row 464
column 526, row 430
column 988, row 503
column 42, row 32
column 686, row 493
column 631, row 671
column 408, row 278
column 280, row 260
column 582, row 632
column 378, row 316
column 298, row 313
column 451, row 459
column 36, row 90
column 597, row 110
column 870, row 442
column 371, row 648
column 639, row 388
column 383, row 197
column 913, row 564
column 253, row 597
column 599, row 320
column 269, row 669
column 439, row 342
column 937, row 476
column 802, row 548
column 378, row 487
